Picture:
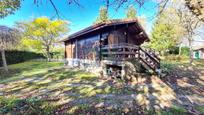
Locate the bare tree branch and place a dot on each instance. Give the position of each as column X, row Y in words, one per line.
column 55, row 8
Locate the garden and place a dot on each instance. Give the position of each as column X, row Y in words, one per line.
column 51, row 88
column 35, row 73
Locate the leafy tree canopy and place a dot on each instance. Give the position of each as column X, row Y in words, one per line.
column 42, row 32
column 103, row 15
column 8, row 7
column 131, row 12
column 164, row 36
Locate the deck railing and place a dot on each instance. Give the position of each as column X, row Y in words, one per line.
column 126, row 51
column 119, row 51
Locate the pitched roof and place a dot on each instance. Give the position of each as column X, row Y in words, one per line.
column 198, row 48
column 101, row 26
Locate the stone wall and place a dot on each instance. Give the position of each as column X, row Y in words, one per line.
column 87, row 65
column 130, row 68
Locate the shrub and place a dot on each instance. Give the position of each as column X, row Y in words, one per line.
column 185, row 51
column 57, row 55
column 14, row 56
column 175, row 51
column 166, row 67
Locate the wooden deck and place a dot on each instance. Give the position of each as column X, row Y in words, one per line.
column 122, row 52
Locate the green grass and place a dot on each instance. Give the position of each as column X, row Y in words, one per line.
column 26, row 69
column 44, row 76
column 168, row 65
column 182, row 60
column 54, row 78
column 174, row 110
column 200, row 109
column 30, row 106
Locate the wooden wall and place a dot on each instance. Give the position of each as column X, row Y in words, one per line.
column 70, row 50
column 86, row 48
column 117, row 36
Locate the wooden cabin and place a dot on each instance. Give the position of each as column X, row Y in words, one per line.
column 107, row 46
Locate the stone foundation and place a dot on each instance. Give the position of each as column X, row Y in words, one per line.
column 128, row 68
column 87, row 65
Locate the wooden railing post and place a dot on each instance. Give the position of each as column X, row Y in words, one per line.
column 139, row 53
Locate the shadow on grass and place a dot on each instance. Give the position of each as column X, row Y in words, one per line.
column 71, row 91
column 187, row 81
column 18, row 70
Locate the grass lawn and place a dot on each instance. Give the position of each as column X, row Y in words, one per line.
column 50, row 88
column 26, row 69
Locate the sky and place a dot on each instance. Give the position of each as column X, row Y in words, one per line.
column 78, row 16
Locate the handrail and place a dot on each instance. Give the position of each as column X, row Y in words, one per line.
column 156, row 63
column 120, row 45
column 134, row 51
column 146, row 63
column 149, row 55
column 153, row 53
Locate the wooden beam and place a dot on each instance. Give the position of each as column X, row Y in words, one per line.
column 126, row 35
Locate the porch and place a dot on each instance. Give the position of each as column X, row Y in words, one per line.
column 116, row 54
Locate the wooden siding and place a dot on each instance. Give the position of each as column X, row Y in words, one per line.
column 88, row 45
column 70, row 50
column 117, row 37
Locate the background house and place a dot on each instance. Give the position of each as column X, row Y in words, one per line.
column 198, row 53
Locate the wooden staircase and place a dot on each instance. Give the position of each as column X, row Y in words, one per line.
column 122, row 52
column 149, row 59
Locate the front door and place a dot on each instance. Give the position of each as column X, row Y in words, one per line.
column 197, row 55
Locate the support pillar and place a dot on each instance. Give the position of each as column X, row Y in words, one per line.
column 123, row 71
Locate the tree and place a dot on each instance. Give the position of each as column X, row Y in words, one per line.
column 131, row 12
column 167, row 32
column 190, row 23
column 183, row 21
column 103, row 15
column 8, row 39
column 163, row 37
column 196, row 7
column 30, row 45
column 169, row 15
column 8, row 7
column 44, row 31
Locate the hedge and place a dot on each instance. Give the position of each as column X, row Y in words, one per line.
column 175, row 50
column 14, row 56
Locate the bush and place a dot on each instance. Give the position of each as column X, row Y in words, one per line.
column 57, row 55
column 185, row 51
column 14, row 56
column 175, row 51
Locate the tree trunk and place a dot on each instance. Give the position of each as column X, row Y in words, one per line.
column 191, row 52
column 48, row 53
column 180, row 46
column 4, row 60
